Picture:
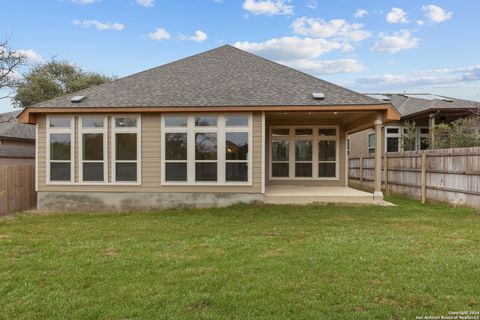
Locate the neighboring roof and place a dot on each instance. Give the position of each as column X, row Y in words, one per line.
column 12, row 129
column 225, row 76
column 412, row 103
column 15, row 151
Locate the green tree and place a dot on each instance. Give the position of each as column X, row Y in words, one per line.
column 409, row 136
column 54, row 79
column 464, row 133
column 441, row 134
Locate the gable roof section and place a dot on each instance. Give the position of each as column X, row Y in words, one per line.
column 225, row 76
column 10, row 127
column 407, row 106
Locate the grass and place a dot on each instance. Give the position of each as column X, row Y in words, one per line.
column 242, row 262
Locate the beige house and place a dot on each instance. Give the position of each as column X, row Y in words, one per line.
column 220, row 127
column 425, row 109
column 17, row 140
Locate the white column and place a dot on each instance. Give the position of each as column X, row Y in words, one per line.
column 431, row 125
column 378, row 195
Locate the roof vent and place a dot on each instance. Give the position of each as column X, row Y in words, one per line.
column 318, row 95
column 77, row 99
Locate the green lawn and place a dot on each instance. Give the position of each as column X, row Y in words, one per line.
column 242, row 262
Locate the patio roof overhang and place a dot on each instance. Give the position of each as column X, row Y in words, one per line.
column 389, row 113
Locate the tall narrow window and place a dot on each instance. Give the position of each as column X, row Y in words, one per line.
column 280, row 153
column 303, row 153
column 327, row 153
column 60, row 143
column 393, row 139
column 92, row 137
column 126, row 140
column 371, row 143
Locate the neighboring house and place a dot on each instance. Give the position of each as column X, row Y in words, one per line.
column 17, row 140
column 211, row 129
column 426, row 110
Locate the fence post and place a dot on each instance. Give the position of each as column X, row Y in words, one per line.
column 424, row 177
column 385, row 170
column 361, row 169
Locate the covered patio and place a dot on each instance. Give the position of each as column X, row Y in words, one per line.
column 306, row 155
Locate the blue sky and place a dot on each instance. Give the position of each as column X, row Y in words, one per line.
column 368, row 46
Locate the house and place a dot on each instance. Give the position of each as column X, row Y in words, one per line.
column 216, row 128
column 17, row 140
column 425, row 109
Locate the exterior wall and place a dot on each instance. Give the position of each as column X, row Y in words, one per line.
column 12, row 161
column 13, row 142
column 342, row 181
column 359, row 142
column 150, row 164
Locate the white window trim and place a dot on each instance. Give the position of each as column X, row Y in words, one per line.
column 138, row 131
column 368, row 143
column 81, row 131
column 291, row 138
column 394, row 135
column 221, row 129
column 71, row 131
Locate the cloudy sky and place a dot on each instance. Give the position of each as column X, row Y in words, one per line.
column 368, row 46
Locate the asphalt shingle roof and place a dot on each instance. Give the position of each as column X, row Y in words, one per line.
column 409, row 105
column 11, row 128
column 225, row 76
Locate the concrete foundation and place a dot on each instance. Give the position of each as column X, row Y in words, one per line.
column 124, row 202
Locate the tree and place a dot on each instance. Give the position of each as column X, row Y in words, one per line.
column 409, row 136
column 10, row 62
column 441, row 133
column 464, row 133
column 54, row 79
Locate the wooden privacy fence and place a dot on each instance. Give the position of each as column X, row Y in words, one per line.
column 17, row 188
column 448, row 175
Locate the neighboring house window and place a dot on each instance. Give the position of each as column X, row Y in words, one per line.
column 304, row 153
column 60, row 149
column 206, row 149
column 348, row 146
column 126, row 149
column 392, row 139
column 93, row 149
column 371, row 143
column 424, row 138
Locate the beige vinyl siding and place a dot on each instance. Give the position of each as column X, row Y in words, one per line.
column 150, row 163
column 342, row 154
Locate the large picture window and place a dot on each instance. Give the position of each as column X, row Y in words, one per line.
column 93, row 151
column 206, row 149
column 60, row 148
column 126, row 149
column 304, row 153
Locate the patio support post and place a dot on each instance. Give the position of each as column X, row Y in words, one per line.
column 378, row 195
column 431, row 126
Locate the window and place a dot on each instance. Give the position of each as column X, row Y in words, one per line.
column 424, row 138
column 371, row 143
column 60, row 149
column 93, row 151
column 126, row 149
column 314, row 154
column 392, row 139
column 206, row 149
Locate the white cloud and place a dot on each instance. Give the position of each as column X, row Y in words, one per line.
column 146, row 3
column 337, row 28
column 268, row 7
column 360, row 13
column 30, row 55
column 312, row 4
column 397, row 15
column 321, row 67
column 159, row 34
column 199, row 36
column 84, row 2
column 290, row 48
column 218, row 1
column 422, row 78
column 99, row 25
column 393, row 43
column 436, row 14
column 420, row 22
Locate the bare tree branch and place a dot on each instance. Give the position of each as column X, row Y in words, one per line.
column 10, row 61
